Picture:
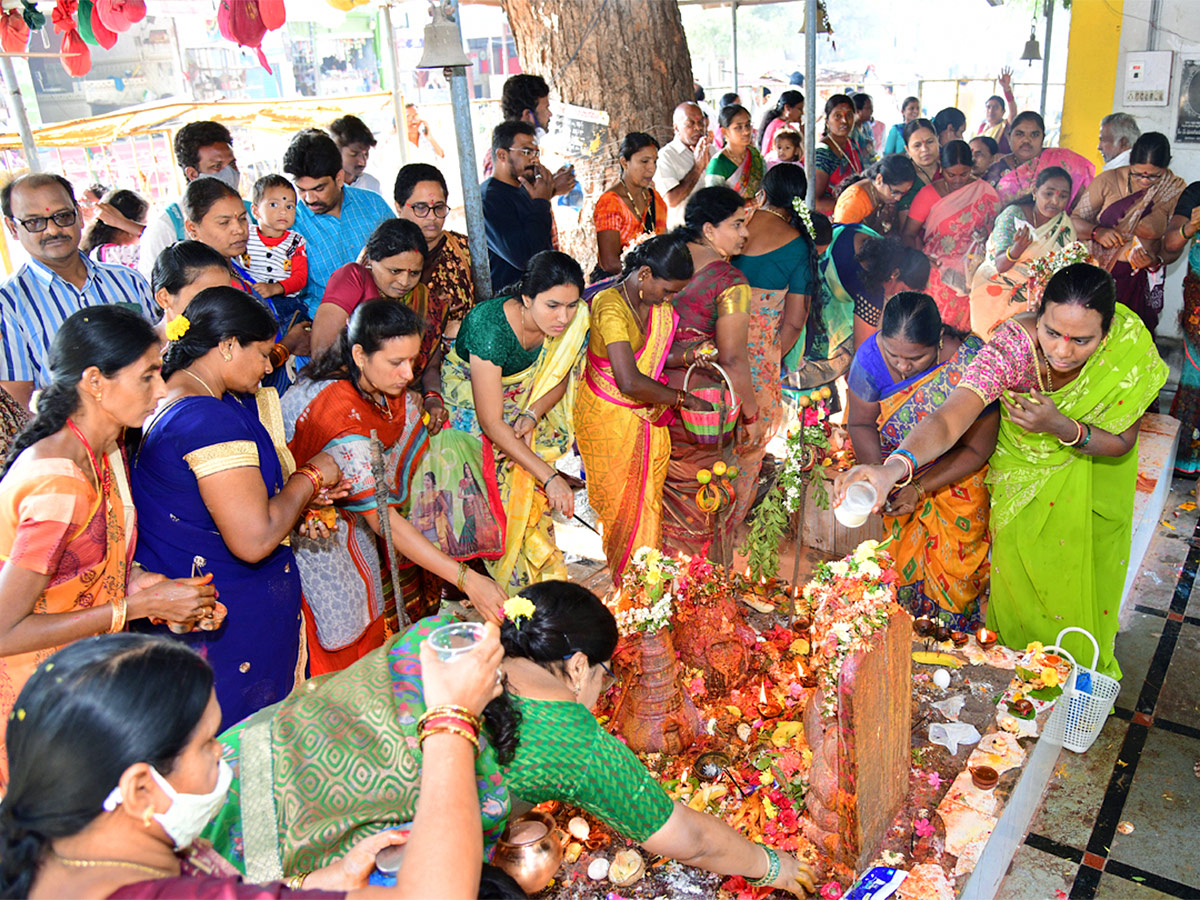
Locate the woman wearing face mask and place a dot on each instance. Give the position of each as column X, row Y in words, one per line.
column 510, row 385
column 1073, row 379
column 346, row 399
column 1015, row 173
column 218, row 493
column 215, row 214
column 181, row 272
column 391, row 267
column 68, row 526
column 714, row 313
column 1123, row 215
column 1029, row 228
column 539, row 741
column 779, row 260
column 622, row 410
column 873, row 198
column 836, row 156
column 938, row 522
column 117, row 769
column 950, row 220
column 739, row 166
column 631, row 209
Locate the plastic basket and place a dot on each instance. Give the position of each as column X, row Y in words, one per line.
column 709, row 427
column 1080, row 713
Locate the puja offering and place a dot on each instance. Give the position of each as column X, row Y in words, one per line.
column 529, row 851
column 857, row 505
column 984, row 777
column 986, row 638
column 452, row 641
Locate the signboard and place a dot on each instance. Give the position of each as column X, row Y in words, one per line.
column 578, row 132
column 1187, row 127
column 1147, row 78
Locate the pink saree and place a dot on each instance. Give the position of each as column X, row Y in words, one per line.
column 956, row 234
column 1019, row 181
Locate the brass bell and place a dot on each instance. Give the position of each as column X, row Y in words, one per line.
column 1033, row 49
column 443, row 44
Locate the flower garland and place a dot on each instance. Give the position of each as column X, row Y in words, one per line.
column 1043, row 268
column 850, row 600
column 805, row 215
column 645, row 602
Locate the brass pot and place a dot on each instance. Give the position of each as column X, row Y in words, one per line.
column 529, row 851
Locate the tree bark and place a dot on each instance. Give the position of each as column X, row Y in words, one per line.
column 627, row 57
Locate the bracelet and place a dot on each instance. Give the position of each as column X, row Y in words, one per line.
column 1008, row 254
column 462, row 576
column 916, row 483
column 1183, row 232
column 447, row 708
column 546, row 483
column 279, row 355
column 313, row 474
column 692, row 350
column 1088, row 438
column 532, row 418
column 433, row 395
column 680, row 397
column 296, row 882
column 750, row 420
column 120, row 609
column 910, row 463
column 468, row 720
column 772, row 869
column 1078, row 435
column 450, row 729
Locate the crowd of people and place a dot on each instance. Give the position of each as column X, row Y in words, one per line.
column 266, row 435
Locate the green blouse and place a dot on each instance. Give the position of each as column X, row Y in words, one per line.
column 565, row 755
column 486, row 333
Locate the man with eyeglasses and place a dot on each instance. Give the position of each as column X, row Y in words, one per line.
column 334, row 219
column 516, row 203
column 41, row 213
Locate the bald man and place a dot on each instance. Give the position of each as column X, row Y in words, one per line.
column 682, row 162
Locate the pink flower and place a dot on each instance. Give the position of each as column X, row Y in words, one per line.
column 934, row 779
column 831, row 890
column 923, row 827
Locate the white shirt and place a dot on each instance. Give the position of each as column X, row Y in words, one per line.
column 1121, row 159
column 159, row 235
column 369, row 182
column 675, row 160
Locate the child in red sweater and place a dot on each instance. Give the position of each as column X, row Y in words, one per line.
column 275, row 255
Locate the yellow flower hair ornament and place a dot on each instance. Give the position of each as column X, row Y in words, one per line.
column 516, row 609
column 177, row 328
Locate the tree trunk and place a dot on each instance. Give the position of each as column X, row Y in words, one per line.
column 627, row 57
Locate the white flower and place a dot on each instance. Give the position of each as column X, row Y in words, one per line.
column 840, row 568
column 865, row 551
column 870, row 570
column 843, row 631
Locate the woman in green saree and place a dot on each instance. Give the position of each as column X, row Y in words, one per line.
column 1073, row 380
column 340, row 760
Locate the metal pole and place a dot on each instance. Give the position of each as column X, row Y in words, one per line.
column 811, row 99
column 1046, row 53
column 397, row 99
column 464, row 134
column 16, row 106
column 733, row 12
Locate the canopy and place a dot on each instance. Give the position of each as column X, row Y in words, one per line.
column 280, row 116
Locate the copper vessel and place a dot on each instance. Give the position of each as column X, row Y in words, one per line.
column 657, row 716
column 529, row 851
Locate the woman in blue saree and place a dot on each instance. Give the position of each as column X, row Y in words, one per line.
column 217, row 493
column 939, row 521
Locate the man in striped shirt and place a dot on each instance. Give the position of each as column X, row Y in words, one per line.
column 40, row 211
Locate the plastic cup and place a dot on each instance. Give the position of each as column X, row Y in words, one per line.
column 452, row 641
column 857, row 505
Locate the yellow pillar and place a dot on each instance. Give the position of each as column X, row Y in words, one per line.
column 1092, row 50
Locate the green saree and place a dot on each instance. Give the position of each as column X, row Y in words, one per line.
column 1062, row 521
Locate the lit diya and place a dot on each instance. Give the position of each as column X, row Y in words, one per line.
column 986, row 638
column 923, row 626
column 768, row 709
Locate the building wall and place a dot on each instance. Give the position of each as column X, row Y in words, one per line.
column 1162, row 25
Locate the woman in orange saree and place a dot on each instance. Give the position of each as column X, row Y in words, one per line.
column 939, row 527
column 623, row 406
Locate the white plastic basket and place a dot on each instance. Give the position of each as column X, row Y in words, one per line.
column 1080, row 714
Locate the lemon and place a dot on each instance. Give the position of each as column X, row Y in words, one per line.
column 826, row 393
column 815, row 396
column 731, row 472
column 704, row 476
column 803, row 402
column 719, row 467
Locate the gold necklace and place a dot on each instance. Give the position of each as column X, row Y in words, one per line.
column 113, row 863
column 633, row 203
column 777, row 214
column 1048, row 386
column 625, row 295
column 203, row 383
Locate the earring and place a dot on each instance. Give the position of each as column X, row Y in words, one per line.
column 98, row 397
column 226, row 354
column 148, row 816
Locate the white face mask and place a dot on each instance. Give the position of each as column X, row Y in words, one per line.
column 188, row 814
column 230, row 175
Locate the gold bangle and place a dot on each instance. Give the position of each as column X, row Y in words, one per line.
column 296, row 882
column 120, row 609
column 916, row 483
column 462, row 576
column 450, row 709
column 450, row 729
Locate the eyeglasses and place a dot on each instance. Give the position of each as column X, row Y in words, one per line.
column 1149, row 179
column 608, row 672
column 422, row 210
column 529, row 152
column 36, row 224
